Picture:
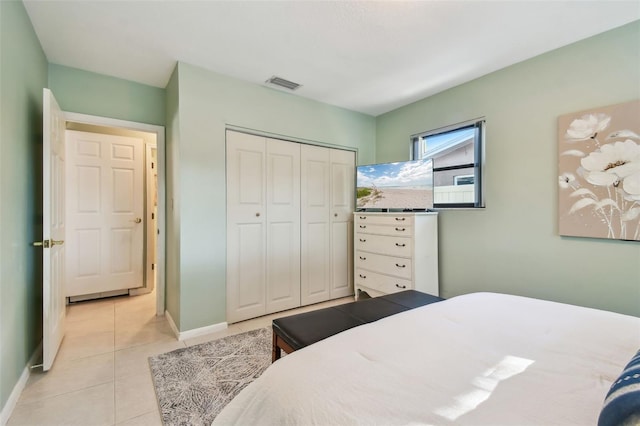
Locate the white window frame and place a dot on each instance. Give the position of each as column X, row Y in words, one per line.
column 417, row 152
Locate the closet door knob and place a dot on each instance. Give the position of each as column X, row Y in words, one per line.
column 335, row 215
column 258, row 214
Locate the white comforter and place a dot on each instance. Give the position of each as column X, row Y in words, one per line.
column 478, row 359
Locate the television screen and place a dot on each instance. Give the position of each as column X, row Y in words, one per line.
column 406, row 185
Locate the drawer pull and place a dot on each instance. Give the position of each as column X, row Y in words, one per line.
column 365, row 277
column 401, row 266
column 401, row 286
column 362, row 258
column 362, row 240
column 401, row 219
column 398, row 244
column 401, row 229
column 363, row 226
column 363, row 217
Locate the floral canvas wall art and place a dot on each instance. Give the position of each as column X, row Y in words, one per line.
column 599, row 172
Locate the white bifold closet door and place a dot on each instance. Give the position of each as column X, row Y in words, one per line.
column 263, row 226
column 327, row 226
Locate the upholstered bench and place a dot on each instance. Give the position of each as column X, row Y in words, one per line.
column 297, row 331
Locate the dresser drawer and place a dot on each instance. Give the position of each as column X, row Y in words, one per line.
column 396, row 266
column 383, row 244
column 395, row 230
column 380, row 282
column 399, row 219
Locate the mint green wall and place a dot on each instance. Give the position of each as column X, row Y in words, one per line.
column 513, row 246
column 96, row 94
column 208, row 102
column 172, row 251
column 23, row 75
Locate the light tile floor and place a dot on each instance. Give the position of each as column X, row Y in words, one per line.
column 101, row 374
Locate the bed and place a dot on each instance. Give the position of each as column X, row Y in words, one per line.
column 476, row 359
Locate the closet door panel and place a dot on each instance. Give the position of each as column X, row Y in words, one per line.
column 282, row 259
column 283, row 219
column 316, row 272
column 251, row 280
column 316, row 210
column 341, row 260
column 250, row 176
column 246, row 227
column 342, row 207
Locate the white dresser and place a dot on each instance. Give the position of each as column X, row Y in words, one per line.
column 395, row 252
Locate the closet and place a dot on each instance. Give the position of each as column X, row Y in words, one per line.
column 289, row 224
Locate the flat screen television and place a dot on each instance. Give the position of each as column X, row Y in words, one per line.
column 406, row 185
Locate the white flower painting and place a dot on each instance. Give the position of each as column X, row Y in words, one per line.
column 599, row 173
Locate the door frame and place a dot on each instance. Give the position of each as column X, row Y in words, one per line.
column 150, row 216
column 161, row 219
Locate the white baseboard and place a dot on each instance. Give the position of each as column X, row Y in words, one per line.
column 172, row 324
column 190, row 334
column 12, row 401
column 139, row 291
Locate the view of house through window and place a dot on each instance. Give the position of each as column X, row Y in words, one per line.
column 457, row 154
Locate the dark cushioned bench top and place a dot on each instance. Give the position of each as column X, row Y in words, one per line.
column 304, row 329
column 411, row 298
column 369, row 310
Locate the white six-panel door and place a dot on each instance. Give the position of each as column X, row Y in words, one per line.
column 53, row 244
column 105, row 211
column 263, row 226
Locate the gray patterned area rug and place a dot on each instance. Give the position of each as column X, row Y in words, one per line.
column 194, row 384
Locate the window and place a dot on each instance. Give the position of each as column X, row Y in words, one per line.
column 463, row 180
column 458, row 155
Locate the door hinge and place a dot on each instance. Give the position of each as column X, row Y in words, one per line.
column 153, row 165
column 153, row 216
column 153, row 266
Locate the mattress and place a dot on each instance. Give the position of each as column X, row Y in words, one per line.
column 476, row 359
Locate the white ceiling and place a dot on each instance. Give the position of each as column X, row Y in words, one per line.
column 366, row 56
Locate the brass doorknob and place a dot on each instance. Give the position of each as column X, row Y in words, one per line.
column 136, row 220
column 47, row 243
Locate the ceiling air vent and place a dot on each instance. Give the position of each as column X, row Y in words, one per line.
column 278, row 81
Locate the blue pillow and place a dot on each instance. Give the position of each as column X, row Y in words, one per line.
column 622, row 403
